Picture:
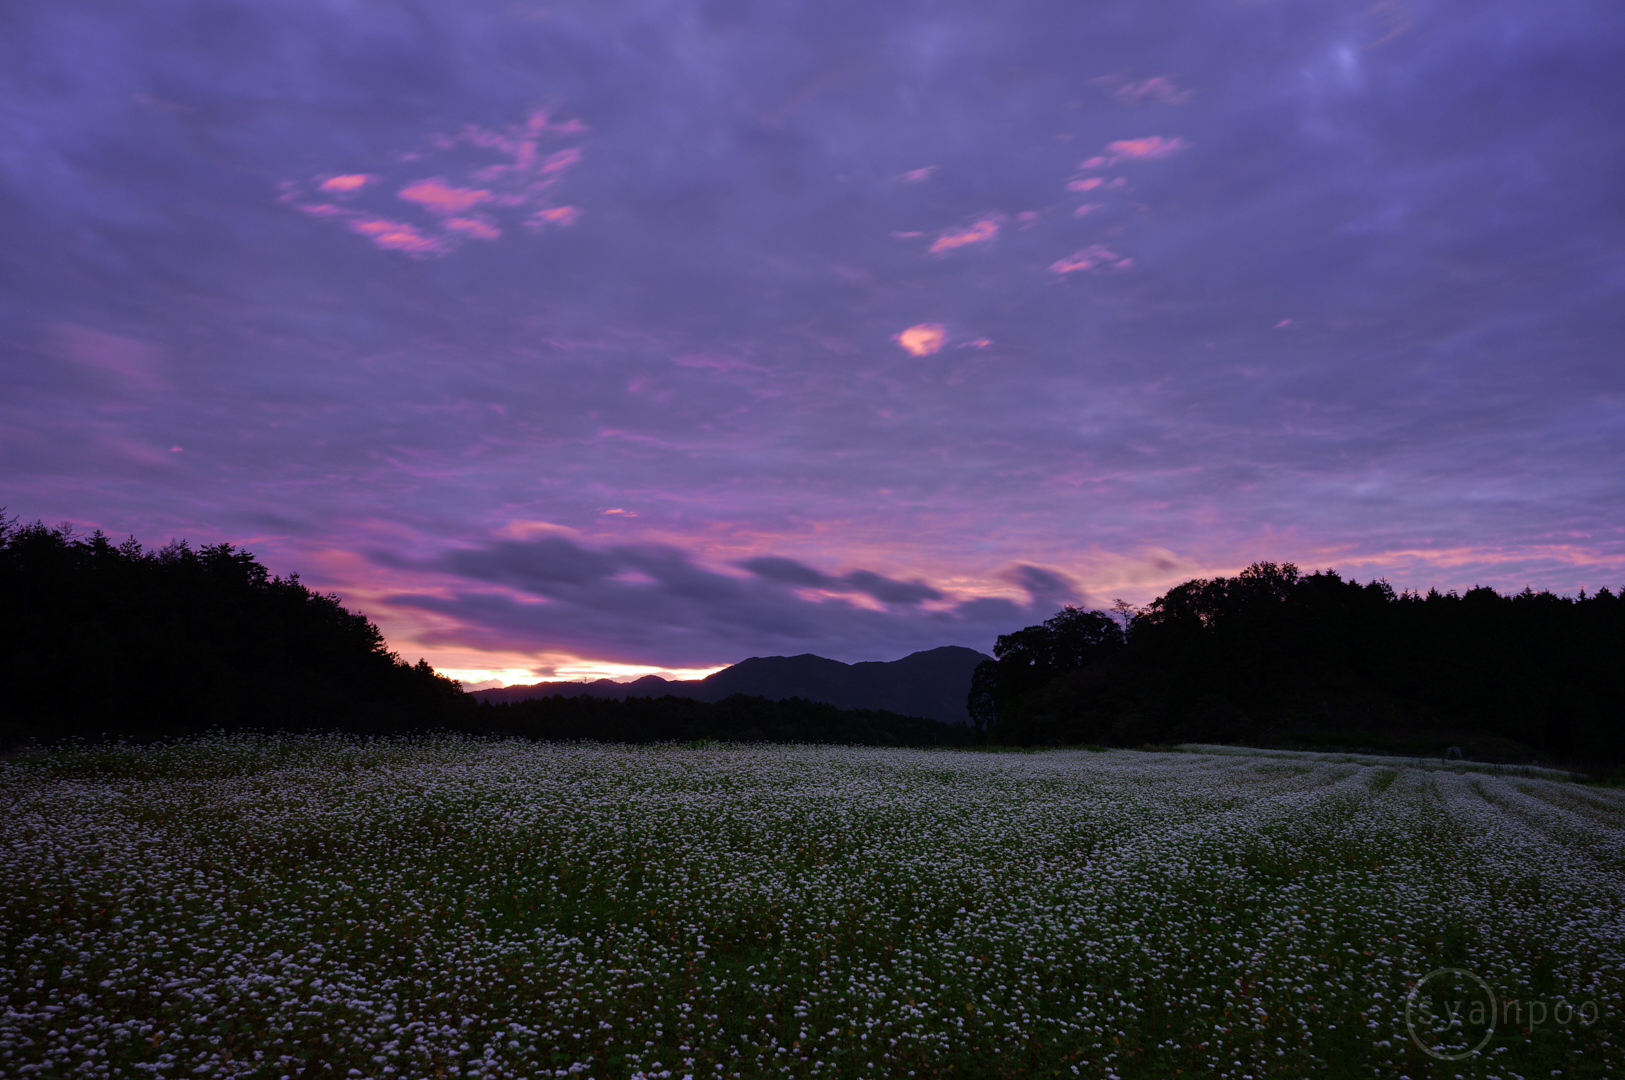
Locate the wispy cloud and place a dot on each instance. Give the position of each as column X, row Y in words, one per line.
column 519, row 183
column 397, row 236
column 1093, row 257
column 135, row 360
column 438, row 198
column 475, row 227
column 983, row 230
column 554, row 215
column 1159, row 89
column 914, row 176
column 1145, row 149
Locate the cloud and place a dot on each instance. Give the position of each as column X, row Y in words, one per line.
column 790, row 572
column 475, row 227
column 1085, row 185
column 914, row 176
column 922, row 339
column 554, row 215
column 650, row 604
column 985, row 229
column 561, row 160
column 397, row 236
column 1044, row 586
column 1092, row 257
column 438, row 198
column 1160, row 89
column 348, row 182
column 721, row 364
column 111, row 353
column 517, row 184
column 1144, row 149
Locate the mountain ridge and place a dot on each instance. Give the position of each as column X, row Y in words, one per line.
column 933, row 683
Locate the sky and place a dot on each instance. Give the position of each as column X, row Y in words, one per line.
column 625, row 336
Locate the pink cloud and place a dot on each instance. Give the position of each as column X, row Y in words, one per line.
column 1085, row 185
column 117, row 355
column 907, row 235
column 922, row 339
column 348, row 182
column 482, row 230
column 1151, row 146
column 714, row 363
column 555, row 215
column 561, row 160
column 519, row 181
column 1095, row 255
column 914, row 176
column 397, row 236
column 1159, row 88
column 986, row 229
column 438, row 198
column 1086, row 209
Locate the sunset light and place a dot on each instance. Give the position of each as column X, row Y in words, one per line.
column 987, row 305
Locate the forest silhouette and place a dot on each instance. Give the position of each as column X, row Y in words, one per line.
column 1276, row 657
column 101, row 640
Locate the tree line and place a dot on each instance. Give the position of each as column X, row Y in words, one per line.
column 116, row 641
column 1274, row 656
column 103, row 640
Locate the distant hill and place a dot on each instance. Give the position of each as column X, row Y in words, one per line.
column 933, row 683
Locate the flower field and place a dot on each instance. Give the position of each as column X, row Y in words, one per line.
column 334, row 908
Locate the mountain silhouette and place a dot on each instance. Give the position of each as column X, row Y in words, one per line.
column 933, row 683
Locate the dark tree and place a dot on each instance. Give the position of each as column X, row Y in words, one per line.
column 1274, row 656
column 103, row 640
column 1027, row 660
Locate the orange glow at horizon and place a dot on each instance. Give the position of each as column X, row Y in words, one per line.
column 575, row 670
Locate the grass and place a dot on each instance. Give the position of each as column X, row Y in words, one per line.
column 335, row 908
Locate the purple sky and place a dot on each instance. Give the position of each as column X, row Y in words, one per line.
column 608, row 337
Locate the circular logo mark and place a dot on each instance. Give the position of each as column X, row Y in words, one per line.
column 1446, row 1012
